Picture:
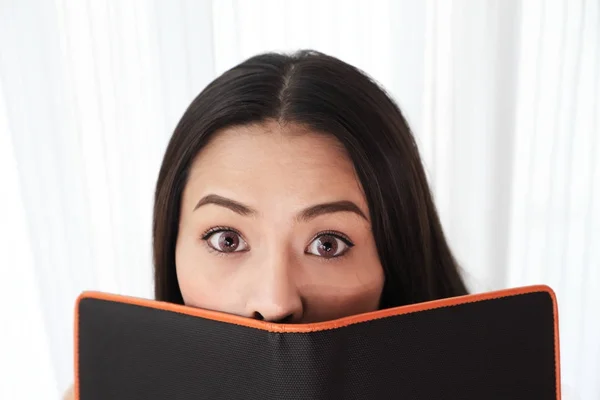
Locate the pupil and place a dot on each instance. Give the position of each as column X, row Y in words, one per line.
column 229, row 242
column 327, row 246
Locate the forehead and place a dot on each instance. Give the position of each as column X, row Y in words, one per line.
column 267, row 163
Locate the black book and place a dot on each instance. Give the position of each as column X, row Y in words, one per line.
column 497, row 345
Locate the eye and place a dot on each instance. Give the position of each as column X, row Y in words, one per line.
column 225, row 240
column 329, row 245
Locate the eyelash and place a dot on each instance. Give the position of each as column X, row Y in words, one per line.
column 218, row 229
column 207, row 234
column 336, row 234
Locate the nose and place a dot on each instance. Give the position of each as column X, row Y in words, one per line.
column 275, row 297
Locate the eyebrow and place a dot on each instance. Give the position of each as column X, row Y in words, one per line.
column 227, row 203
column 305, row 215
column 329, row 208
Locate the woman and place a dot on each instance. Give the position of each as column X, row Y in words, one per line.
column 292, row 191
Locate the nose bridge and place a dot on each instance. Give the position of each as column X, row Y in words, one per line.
column 275, row 295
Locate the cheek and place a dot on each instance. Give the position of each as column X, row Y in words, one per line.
column 353, row 291
column 201, row 284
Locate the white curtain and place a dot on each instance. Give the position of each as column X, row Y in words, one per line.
column 502, row 96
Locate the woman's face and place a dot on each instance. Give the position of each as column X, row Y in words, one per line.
column 274, row 225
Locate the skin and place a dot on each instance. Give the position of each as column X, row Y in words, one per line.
column 277, row 172
column 283, row 269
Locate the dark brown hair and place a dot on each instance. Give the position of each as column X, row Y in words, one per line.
column 326, row 95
